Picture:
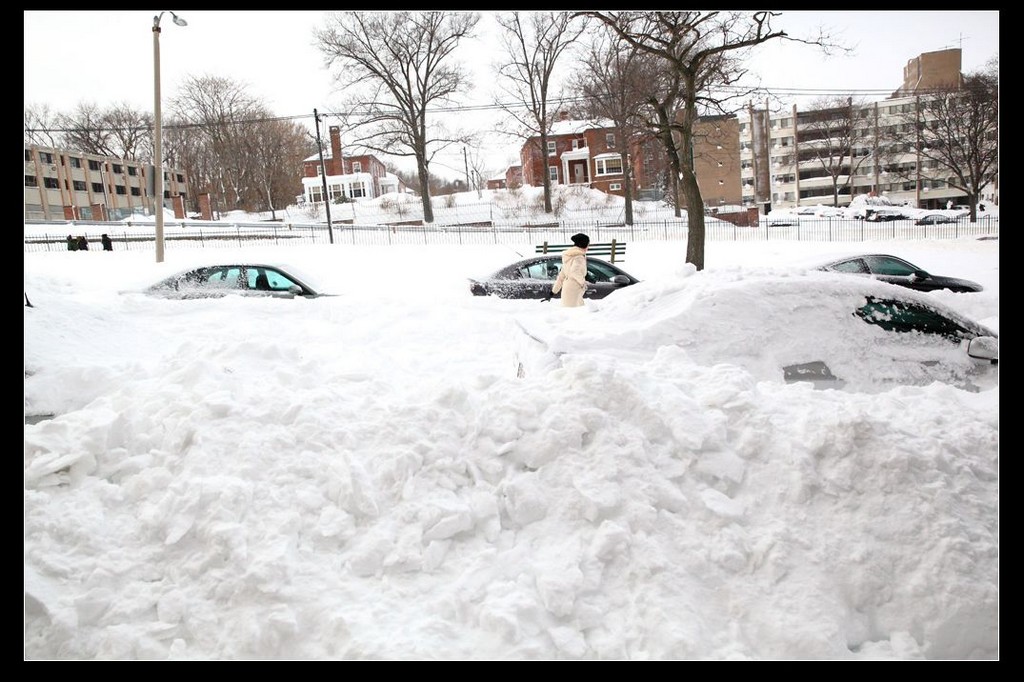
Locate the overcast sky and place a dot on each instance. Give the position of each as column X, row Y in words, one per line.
column 274, row 54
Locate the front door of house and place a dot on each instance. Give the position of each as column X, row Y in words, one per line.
column 578, row 173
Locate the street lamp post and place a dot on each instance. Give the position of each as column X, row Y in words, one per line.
column 158, row 162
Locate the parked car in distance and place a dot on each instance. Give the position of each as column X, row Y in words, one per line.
column 830, row 330
column 934, row 219
column 533, row 278
column 898, row 271
column 247, row 279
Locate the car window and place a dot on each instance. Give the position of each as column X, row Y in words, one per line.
column 599, row 272
column 889, row 266
column 220, row 277
column 545, row 269
column 905, row 317
column 275, row 279
column 856, row 265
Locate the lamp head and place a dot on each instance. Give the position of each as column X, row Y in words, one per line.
column 178, row 20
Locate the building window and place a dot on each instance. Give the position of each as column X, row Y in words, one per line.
column 315, row 195
column 94, row 165
column 357, row 167
column 358, row 189
column 553, row 173
column 28, row 154
column 51, row 183
column 551, row 148
column 119, row 189
column 116, row 168
column 131, row 170
column 181, row 178
column 135, row 191
column 609, row 166
column 46, row 157
column 79, row 185
column 614, row 186
column 30, row 181
column 97, row 187
column 576, row 144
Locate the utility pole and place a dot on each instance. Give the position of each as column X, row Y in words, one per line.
column 323, row 176
column 465, row 160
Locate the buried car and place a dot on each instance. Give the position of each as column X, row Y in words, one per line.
column 533, row 277
column 830, row 330
column 898, row 271
column 248, row 279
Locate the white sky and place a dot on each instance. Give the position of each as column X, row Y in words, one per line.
column 363, row 476
column 273, row 52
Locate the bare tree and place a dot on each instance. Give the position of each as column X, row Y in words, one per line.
column 84, row 129
column 131, row 132
column 958, row 137
column 405, row 58
column 534, row 48
column 221, row 114
column 834, row 132
column 278, row 149
column 40, row 127
column 614, row 82
column 703, row 51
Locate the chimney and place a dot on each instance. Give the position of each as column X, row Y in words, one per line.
column 336, row 165
column 563, row 115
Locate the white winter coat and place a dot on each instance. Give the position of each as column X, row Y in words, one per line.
column 572, row 278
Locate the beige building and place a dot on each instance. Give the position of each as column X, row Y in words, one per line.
column 779, row 169
column 66, row 185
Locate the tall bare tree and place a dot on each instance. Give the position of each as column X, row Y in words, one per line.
column 959, row 133
column 404, row 58
column 278, row 149
column 131, row 132
column 534, row 43
column 835, row 132
column 221, row 113
column 614, row 82
column 703, row 50
column 85, row 129
column 41, row 126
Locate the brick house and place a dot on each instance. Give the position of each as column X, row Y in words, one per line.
column 589, row 153
column 355, row 177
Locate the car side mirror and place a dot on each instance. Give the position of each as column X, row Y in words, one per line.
column 620, row 279
column 918, row 275
column 295, row 289
column 984, row 348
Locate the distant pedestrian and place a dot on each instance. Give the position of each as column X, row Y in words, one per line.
column 572, row 278
column 83, row 243
column 107, row 244
column 72, row 243
column 949, row 205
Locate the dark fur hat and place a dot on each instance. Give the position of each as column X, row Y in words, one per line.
column 581, row 240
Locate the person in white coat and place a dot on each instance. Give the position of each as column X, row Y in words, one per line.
column 572, row 278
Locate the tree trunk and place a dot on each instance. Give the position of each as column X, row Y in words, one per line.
column 424, row 177
column 546, row 175
column 694, row 201
column 627, row 188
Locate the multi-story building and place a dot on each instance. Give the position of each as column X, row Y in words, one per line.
column 779, row 166
column 66, row 185
column 361, row 176
column 589, row 153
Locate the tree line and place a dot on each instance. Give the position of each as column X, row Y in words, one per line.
column 652, row 74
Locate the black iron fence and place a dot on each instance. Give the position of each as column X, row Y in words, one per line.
column 206, row 234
